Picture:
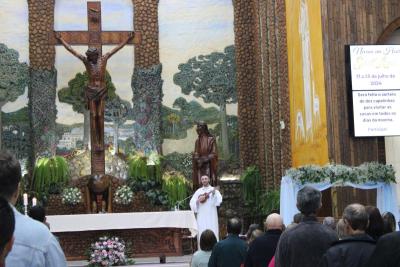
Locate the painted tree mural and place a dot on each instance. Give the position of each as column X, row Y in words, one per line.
column 117, row 111
column 74, row 95
column 212, row 78
column 13, row 78
column 183, row 115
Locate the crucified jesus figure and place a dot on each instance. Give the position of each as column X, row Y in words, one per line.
column 95, row 91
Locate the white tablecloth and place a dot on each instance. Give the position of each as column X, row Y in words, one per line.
column 115, row 221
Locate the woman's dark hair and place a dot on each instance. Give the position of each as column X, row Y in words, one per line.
column 375, row 227
column 252, row 227
column 389, row 222
column 37, row 213
column 7, row 223
column 207, row 240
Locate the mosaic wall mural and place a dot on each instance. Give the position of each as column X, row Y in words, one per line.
column 197, row 70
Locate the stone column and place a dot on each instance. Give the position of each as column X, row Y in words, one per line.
column 246, row 45
column 262, row 87
column 146, row 79
column 43, row 79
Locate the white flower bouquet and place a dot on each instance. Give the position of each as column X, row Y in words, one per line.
column 107, row 251
column 71, row 196
column 123, row 195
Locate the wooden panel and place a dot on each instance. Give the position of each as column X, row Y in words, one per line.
column 349, row 195
column 326, row 209
column 350, row 22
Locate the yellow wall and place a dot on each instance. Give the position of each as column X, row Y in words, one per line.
column 306, row 83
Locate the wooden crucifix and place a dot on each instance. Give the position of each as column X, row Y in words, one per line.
column 95, row 64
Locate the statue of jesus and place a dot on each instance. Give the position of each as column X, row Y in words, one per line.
column 96, row 90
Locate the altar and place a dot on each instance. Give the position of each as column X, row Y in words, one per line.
column 146, row 233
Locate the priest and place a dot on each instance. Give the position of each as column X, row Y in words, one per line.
column 204, row 203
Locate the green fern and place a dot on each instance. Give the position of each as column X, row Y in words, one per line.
column 137, row 167
column 176, row 187
column 49, row 171
column 252, row 186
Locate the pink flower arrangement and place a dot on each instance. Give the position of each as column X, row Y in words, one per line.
column 107, row 251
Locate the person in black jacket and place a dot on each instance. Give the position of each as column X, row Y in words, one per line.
column 355, row 249
column 262, row 249
column 387, row 251
column 230, row 252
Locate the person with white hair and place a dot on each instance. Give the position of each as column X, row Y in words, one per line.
column 262, row 249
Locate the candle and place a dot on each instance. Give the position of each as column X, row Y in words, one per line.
column 34, row 201
column 25, row 199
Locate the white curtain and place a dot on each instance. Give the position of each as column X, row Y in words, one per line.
column 385, row 197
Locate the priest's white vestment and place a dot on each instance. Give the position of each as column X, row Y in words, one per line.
column 207, row 216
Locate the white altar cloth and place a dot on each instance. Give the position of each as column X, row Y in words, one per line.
column 117, row 221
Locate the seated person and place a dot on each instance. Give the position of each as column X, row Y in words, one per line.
column 38, row 213
column 7, row 225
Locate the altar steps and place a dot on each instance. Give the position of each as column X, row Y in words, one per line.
column 182, row 261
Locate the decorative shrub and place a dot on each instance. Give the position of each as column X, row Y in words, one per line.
column 252, row 186
column 157, row 197
column 270, row 201
column 71, row 196
column 137, row 167
column 123, row 195
column 49, row 172
column 141, row 167
column 176, row 187
column 108, row 251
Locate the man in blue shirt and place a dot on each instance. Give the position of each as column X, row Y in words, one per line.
column 34, row 244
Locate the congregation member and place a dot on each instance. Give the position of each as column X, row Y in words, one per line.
column 341, row 229
column 387, row 251
column 230, row 252
column 389, row 222
column 204, row 203
column 296, row 220
column 34, row 245
column 38, row 213
column 375, row 226
column 356, row 249
column 7, row 225
column 201, row 257
column 305, row 244
column 256, row 233
column 262, row 249
column 330, row 222
column 249, row 233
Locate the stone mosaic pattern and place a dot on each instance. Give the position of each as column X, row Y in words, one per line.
column 146, row 21
column 42, row 111
column 41, row 23
column 147, row 100
column 43, row 78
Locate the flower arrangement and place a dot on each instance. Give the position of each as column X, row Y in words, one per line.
column 366, row 172
column 71, row 196
column 107, row 251
column 123, row 195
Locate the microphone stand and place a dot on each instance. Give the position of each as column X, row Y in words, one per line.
column 179, row 202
